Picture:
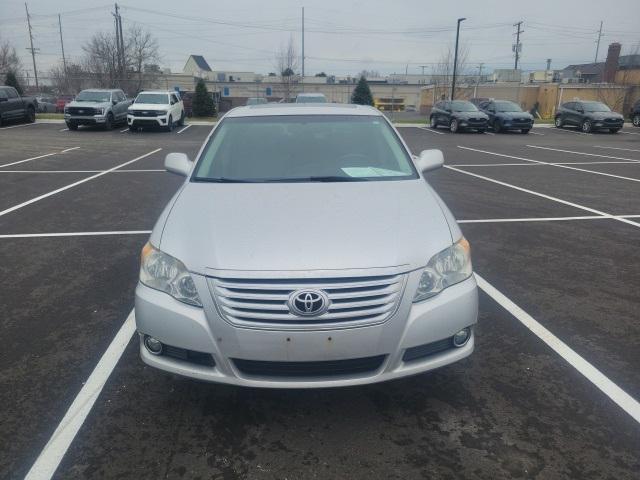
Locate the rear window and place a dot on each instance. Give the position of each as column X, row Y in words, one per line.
column 304, row 148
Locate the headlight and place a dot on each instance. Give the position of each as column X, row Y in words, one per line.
column 99, row 111
column 450, row 266
column 167, row 274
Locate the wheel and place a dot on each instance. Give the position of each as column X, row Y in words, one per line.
column 614, row 130
column 525, row 130
column 453, row 126
column 108, row 124
column 481, row 130
column 181, row 121
column 433, row 123
column 72, row 126
column 0, row 120
column 169, row 126
column 636, row 120
column 497, row 126
column 558, row 122
column 587, row 126
column 30, row 115
column 132, row 128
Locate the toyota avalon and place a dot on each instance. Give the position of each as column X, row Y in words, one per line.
column 305, row 249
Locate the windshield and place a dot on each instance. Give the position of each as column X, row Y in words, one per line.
column 462, row 106
column 507, row 107
column 595, row 107
column 304, row 148
column 153, row 98
column 89, row 96
column 311, row 99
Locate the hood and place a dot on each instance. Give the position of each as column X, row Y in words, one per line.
column 149, row 106
column 526, row 115
column 603, row 115
column 470, row 115
column 305, row 226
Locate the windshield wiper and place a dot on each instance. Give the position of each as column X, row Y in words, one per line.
column 223, row 180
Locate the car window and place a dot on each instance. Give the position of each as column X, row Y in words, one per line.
column 11, row 93
column 463, row 106
column 301, row 148
column 3, row 93
column 595, row 107
column 568, row 105
column 174, row 99
column 504, row 106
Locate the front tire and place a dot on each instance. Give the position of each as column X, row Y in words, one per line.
column 497, row 126
column 587, row 126
column 432, row 123
column 169, row 126
column 614, row 130
column 72, row 126
column 636, row 120
column 181, row 121
column 132, row 128
column 454, row 127
column 108, row 124
column 525, row 130
column 30, row 115
column 558, row 122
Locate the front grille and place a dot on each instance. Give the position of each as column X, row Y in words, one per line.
column 146, row 113
column 262, row 303
column 330, row 368
column 613, row 120
column 80, row 111
column 422, row 351
column 191, row 356
column 477, row 120
column 145, row 122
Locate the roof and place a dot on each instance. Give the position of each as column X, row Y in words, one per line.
column 587, row 68
column 157, row 91
column 201, row 62
column 303, row 109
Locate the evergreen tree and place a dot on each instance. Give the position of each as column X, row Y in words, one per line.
column 12, row 81
column 203, row 105
column 362, row 93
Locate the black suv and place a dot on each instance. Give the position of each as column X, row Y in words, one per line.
column 505, row 115
column 588, row 116
column 635, row 114
column 458, row 115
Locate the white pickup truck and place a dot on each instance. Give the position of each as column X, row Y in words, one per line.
column 162, row 109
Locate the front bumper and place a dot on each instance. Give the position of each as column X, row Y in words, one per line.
column 202, row 331
column 477, row 124
column 134, row 121
column 606, row 124
column 85, row 120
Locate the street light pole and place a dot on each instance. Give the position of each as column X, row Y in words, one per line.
column 455, row 60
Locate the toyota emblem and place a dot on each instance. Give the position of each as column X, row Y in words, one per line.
column 308, row 303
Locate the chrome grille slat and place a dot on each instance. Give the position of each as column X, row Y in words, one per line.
column 262, row 303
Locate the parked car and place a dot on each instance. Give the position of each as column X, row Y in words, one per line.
column 634, row 115
column 311, row 98
column 588, row 116
column 62, row 101
column 15, row 107
column 104, row 107
column 354, row 290
column 187, row 103
column 504, row 115
column 458, row 115
column 45, row 104
column 256, row 101
column 162, row 109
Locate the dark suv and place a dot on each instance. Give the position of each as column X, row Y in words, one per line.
column 635, row 114
column 458, row 115
column 588, row 116
column 505, row 115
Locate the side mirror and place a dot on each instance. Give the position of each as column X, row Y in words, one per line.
column 114, row 102
column 429, row 160
column 132, row 102
column 178, row 163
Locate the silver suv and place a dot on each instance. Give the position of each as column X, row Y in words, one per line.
column 305, row 249
column 97, row 107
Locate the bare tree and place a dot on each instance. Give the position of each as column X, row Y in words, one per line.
column 9, row 61
column 443, row 70
column 141, row 49
column 368, row 74
column 101, row 59
column 287, row 63
column 71, row 81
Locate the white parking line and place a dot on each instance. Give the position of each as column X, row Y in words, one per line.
column 432, row 130
column 539, row 164
column 17, row 126
column 64, row 130
column 543, row 219
column 536, row 133
column 180, row 131
column 28, row 159
column 594, row 172
column 70, row 149
column 489, row 133
column 629, row 133
column 618, row 148
column 71, row 185
column 583, row 153
column 125, row 130
column 52, row 453
column 75, row 234
column 606, row 386
column 124, row 170
column 548, row 197
column 575, row 132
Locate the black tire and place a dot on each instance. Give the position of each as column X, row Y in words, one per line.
column 525, row 130
column 586, row 126
column 30, row 115
column 497, row 126
column 558, row 122
column 432, row 123
column 181, row 121
column 636, row 120
column 614, row 130
column 132, row 128
column 169, row 126
column 454, row 127
column 108, row 124
column 0, row 120
column 72, row 126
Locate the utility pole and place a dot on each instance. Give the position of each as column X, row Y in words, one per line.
column 548, row 64
column 303, row 46
column 33, row 50
column 598, row 44
column 480, row 72
column 423, row 67
column 455, row 60
column 119, row 40
column 64, row 60
column 517, row 47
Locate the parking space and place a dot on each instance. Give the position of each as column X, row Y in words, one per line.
column 559, row 242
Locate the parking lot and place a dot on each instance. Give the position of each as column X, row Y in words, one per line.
column 551, row 391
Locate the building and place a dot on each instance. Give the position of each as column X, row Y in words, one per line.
column 197, row 66
column 621, row 69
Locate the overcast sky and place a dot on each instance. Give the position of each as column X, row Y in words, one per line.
column 342, row 36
